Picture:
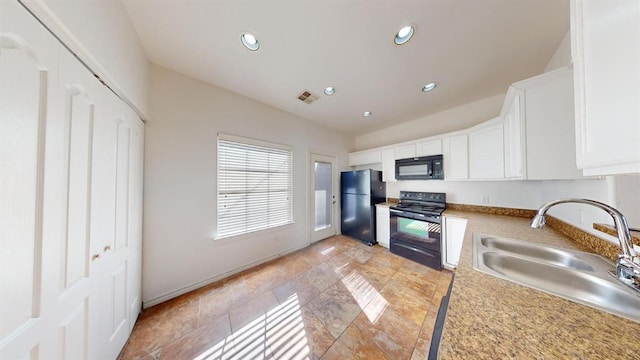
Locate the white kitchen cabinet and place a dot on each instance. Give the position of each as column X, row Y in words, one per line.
column 605, row 42
column 72, row 187
column 453, row 232
column 513, row 135
column 406, row 151
column 539, row 128
column 424, row 147
column 429, row 147
column 486, row 151
column 365, row 157
column 388, row 165
column 455, row 153
column 382, row 225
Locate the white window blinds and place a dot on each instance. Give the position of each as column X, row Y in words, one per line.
column 255, row 185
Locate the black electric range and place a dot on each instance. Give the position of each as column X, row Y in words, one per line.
column 416, row 227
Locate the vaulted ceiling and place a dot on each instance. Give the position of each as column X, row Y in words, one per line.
column 473, row 49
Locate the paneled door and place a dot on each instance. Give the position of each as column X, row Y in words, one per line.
column 114, row 249
column 70, row 202
column 28, row 280
column 323, row 196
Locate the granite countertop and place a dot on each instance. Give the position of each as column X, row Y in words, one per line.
column 611, row 230
column 389, row 202
column 491, row 318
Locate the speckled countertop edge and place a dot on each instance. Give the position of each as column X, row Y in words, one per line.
column 611, row 230
column 491, row 318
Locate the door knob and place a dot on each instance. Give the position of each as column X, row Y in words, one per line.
column 95, row 257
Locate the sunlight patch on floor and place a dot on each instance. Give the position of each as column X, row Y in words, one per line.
column 278, row 333
column 365, row 294
column 328, row 251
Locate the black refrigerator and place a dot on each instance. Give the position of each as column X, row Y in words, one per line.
column 360, row 191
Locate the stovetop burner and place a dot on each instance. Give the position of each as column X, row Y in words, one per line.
column 421, row 202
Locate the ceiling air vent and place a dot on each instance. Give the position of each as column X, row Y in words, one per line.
column 308, row 97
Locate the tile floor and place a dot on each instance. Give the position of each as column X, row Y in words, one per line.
column 336, row 299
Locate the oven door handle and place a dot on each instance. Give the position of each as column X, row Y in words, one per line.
column 412, row 248
column 414, row 216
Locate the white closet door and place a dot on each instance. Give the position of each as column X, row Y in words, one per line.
column 70, row 202
column 71, row 144
column 27, row 278
column 110, row 228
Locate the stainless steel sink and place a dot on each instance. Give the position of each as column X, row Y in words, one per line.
column 573, row 275
column 561, row 257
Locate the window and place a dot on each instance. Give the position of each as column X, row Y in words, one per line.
column 255, row 185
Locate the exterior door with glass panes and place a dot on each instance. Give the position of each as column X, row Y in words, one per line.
column 323, row 198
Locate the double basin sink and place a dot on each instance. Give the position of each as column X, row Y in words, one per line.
column 573, row 275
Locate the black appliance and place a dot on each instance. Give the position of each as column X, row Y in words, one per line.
column 360, row 190
column 420, row 168
column 415, row 227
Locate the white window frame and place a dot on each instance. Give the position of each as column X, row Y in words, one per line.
column 241, row 223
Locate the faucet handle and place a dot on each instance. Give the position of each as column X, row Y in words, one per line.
column 628, row 272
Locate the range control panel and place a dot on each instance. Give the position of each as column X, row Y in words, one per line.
column 423, row 196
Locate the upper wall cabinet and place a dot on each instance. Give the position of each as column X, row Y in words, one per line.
column 455, row 153
column 429, row 147
column 419, row 148
column 388, row 164
column 605, row 42
column 486, row 151
column 513, row 135
column 365, row 157
column 539, row 128
column 405, row 151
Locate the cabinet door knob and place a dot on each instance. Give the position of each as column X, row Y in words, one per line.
column 95, row 257
column 107, row 248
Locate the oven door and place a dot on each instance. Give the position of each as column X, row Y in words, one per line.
column 421, row 233
column 416, row 239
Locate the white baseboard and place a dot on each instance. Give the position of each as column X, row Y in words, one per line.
column 183, row 290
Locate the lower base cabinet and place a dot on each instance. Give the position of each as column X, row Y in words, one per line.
column 382, row 225
column 453, row 235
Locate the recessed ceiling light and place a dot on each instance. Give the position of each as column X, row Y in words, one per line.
column 329, row 90
column 403, row 35
column 250, row 41
column 430, row 86
column 366, row 113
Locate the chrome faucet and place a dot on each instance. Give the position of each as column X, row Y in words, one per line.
column 628, row 264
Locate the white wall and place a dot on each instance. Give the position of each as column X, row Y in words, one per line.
column 107, row 38
column 515, row 194
column 562, row 56
column 180, row 182
column 626, row 190
column 522, row 195
column 463, row 117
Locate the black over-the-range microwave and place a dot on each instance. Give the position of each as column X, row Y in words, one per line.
column 420, row 168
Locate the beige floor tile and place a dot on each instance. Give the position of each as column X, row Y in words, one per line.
column 336, row 308
column 211, row 340
column 295, row 332
column 391, row 332
column 336, row 299
column 307, row 285
column 406, row 300
column 253, row 312
column 361, row 344
column 159, row 327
